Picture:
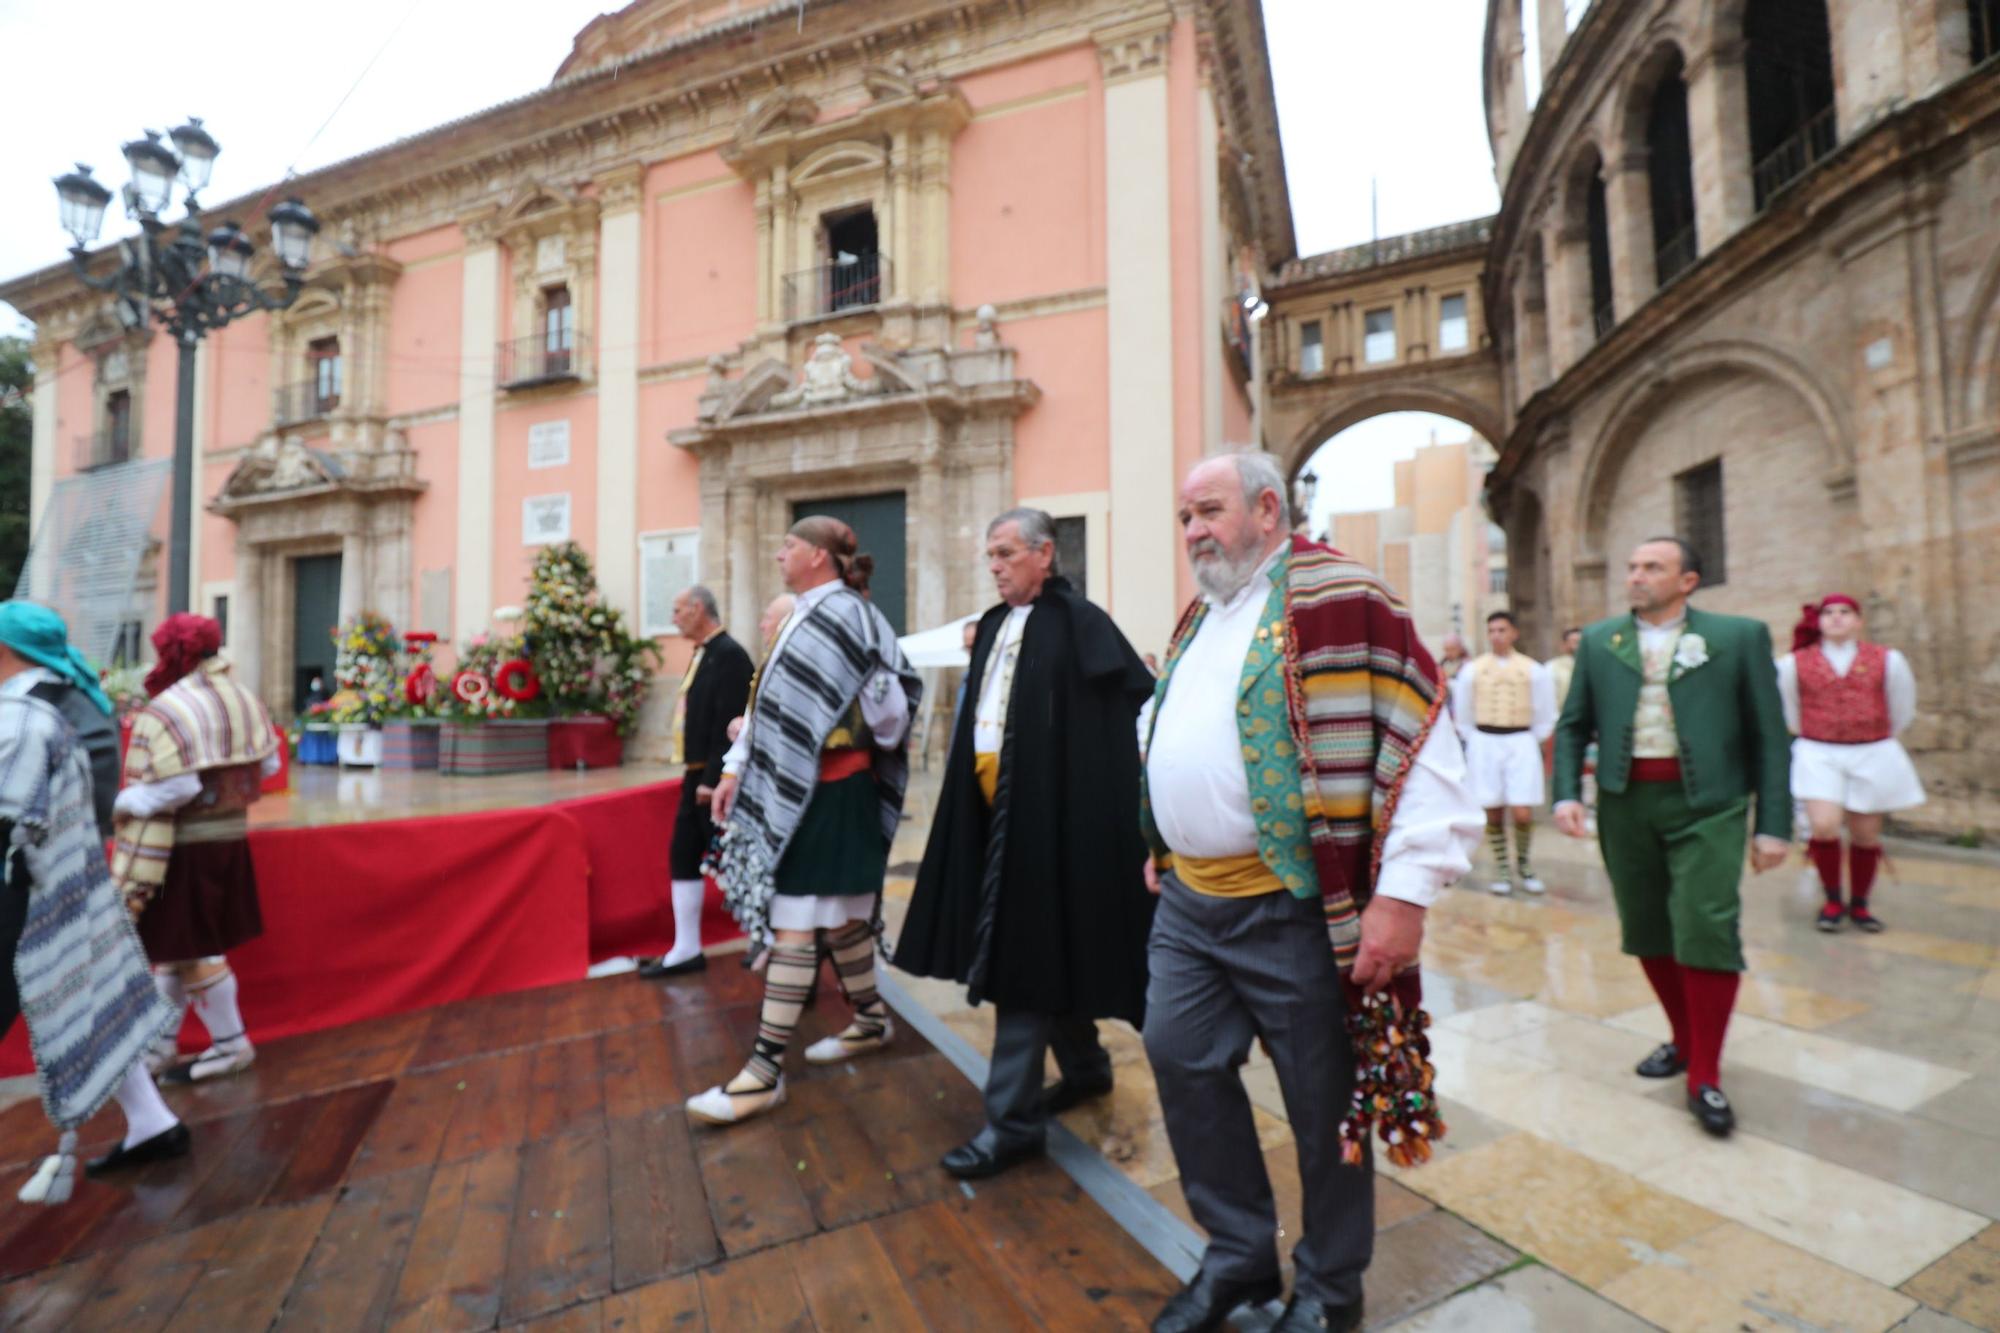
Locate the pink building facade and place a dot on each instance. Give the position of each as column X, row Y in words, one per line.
column 910, row 262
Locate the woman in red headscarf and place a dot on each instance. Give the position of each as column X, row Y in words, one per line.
column 199, row 751
column 1847, row 700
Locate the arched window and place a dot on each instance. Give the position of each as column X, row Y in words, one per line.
column 1670, row 169
column 1597, row 233
column 1788, row 68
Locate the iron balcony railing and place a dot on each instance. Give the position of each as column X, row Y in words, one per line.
column 106, row 446
column 852, row 284
column 1791, row 159
column 1675, row 257
column 292, row 404
column 541, row 358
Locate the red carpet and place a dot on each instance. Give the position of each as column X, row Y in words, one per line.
column 367, row 920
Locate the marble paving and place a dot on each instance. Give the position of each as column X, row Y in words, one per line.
column 1861, row 1190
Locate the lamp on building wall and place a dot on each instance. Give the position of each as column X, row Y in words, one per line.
column 188, row 283
column 1305, row 488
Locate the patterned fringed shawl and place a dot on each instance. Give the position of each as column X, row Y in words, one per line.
column 206, row 723
column 801, row 694
column 1362, row 694
column 86, row 991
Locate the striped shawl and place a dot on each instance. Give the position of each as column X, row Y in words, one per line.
column 206, row 723
column 1362, row 695
column 86, row 991
column 802, row 693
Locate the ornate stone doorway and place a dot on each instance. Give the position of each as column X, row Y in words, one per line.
column 879, row 523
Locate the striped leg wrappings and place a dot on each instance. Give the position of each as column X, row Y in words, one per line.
column 787, row 981
column 853, row 950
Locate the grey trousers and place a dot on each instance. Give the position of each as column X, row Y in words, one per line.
column 1021, row 1038
column 1224, row 971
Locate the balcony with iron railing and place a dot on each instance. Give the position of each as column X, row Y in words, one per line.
column 307, row 400
column 543, row 358
column 1809, row 144
column 829, row 289
column 1674, row 257
column 107, row 446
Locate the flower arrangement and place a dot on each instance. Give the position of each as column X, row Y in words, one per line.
column 126, row 686
column 489, row 683
column 421, row 695
column 587, row 660
column 365, row 670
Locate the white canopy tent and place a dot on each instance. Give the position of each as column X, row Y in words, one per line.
column 932, row 652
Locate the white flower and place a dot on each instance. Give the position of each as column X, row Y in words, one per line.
column 1690, row 652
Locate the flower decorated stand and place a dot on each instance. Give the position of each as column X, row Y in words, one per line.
column 499, row 745
column 585, row 742
column 411, row 743
column 359, row 745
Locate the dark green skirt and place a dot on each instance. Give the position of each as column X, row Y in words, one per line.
column 838, row 851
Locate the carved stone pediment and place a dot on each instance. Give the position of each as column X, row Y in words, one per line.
column 888, row 83
column 776, row 113
column 826, row 378
column 278, row 465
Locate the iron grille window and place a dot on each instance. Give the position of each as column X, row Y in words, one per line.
column 558, row 330
column 323, row 358
column 1670, row 167
column 1698, row 506
column 1312, row 348
column 1454, row 329
column 1597, row 224
column 1378, row 341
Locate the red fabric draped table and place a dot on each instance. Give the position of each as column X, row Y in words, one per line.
column 371, row 919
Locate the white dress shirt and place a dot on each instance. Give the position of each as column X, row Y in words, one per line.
column 1653, row 637
column 17, row 685
column 885, row 710
column 1201, row 796
column 989, row 716
column 1901, row 685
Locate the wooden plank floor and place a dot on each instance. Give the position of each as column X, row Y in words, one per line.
column 523, row 1160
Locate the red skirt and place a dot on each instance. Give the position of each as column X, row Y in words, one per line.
column 207, row 906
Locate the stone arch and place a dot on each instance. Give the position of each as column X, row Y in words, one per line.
column 841, row 159
column 1623, row 426
column 1355, row 406
column 1978, row 364
column 1664, row 49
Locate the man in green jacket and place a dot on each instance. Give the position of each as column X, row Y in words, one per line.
column 1684, row 707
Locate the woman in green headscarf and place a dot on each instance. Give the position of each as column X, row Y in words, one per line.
column 36, row 661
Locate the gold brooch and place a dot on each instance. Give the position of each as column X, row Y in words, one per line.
column 1617, row 639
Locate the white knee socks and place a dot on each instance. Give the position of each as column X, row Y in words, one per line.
column 687, row 921
column 146, row 1115
column 215, row 1001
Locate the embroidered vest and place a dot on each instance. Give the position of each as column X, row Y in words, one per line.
column 1502, row 691
column 1844, row 710
column 1653, row 734
column 1270, row 759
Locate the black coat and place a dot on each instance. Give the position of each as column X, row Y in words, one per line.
column 1040, row 903
column 720, row 690
column 97, row 733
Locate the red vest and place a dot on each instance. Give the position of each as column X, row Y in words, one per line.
column 1844, row 710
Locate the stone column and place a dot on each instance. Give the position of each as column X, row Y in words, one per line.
column 931, row 559
column 1215, row 289
column 356, row 552
column 1567, row 285
column 42, row 446
column 472, row 577
column 1719, row 131
column 1139, row 295
column 740, row 524
column 620, row 273
column 246, row 619
column 1553, row 27
column 1869, row 79
column 1628, row 204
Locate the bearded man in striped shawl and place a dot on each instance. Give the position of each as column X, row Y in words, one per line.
column 200, row 750
column 810, row 796
column 1304, row 809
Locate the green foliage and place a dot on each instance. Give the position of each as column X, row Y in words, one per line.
column 17, row 428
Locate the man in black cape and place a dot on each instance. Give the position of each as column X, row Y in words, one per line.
column 1032, row 891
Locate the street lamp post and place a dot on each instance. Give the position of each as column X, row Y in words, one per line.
column 188, row 283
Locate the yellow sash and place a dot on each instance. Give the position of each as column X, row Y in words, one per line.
column 1243, row 876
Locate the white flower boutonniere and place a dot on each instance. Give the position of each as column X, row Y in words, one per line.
column 1690, row 652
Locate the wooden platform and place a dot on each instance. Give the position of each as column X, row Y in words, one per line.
column 524, row 1159
column 327, row 796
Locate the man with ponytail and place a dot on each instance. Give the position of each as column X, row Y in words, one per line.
column 809, row 799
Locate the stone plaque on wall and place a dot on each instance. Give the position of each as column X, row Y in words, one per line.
column 434, row 603
column 548, row 444
column 550, row 254
column 545, row 519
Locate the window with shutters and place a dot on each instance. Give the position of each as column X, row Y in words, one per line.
column 1698, row 515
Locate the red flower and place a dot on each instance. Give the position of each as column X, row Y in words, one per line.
column 420, row 685
column 517, row 680
column 470, row 686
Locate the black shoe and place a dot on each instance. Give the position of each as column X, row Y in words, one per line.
column 973, row 1161
column 1205, row 1303
column 163, row 1146
column 1830, row 915
column 1303, row 1313
column 1065, row 1093
column 654, row 968
column 1665, row 1061
column 1865, row 919
column 1712, row 1109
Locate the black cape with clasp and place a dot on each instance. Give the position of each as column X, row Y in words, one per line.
column 1040, row 903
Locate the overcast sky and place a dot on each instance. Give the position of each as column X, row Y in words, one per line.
column 1367, row 91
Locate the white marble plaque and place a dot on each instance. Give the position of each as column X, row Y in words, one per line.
column 548, row 444
column 545, row 519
